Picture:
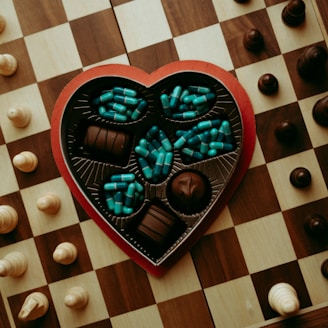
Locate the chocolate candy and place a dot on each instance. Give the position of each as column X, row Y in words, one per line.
column 293, row 13
column 268, row 84
column 320, row 111
column 300, row 177
column 253, row 40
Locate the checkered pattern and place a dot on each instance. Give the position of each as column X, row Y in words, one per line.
column 257, row 240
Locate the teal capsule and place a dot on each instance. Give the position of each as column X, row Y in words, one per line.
column 118, row 200
column 201, row 109
column 113, row 186
column 125, row 100
column 183, row 139
column 212, row 152
column 203, row 99
column 152, row 132
column 124, row 177
column 195, row 140
column 139, row 110
column 204, row 145
column 158, row 146
column 145, row 153
column 226, row 128
column 117, row 107
column 205, row 125
column 143, row 143
column 102, row 110
column 199, row 89
column 167, row 163
column 127, row 210
column 164, row 140
column 189, row 99
column 152, row 149
column 159, row 164
column 145, row 168
column 184, row 93
column 110, row 201
column 176, row 93
column 130, row 194
column 184, row 107
column 115, row 116
column 180, row 133
column 103, row 98
column 139, row 187
column 185, row 115
column 125, row 91
column 221, row 145
column 165, row 100
column 220, row 134
column 214, row 134
column 192, row 153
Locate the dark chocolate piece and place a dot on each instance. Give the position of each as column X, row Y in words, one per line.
column 320, row 111
column 268, row 84
column 311, row 64
column 286, row 131
column 189, row 192
column 324, row 268
column 157, row 225
column 253, row 40
column 300, row 177
column 241, row 1
column 316, row 224
column 293, row 13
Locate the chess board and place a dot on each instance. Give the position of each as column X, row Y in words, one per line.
column 256, row 241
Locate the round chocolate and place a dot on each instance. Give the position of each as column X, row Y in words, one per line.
column 285, row 131
column 189, row 192
column 320, row 111
column 294, row 13
column 316, row 224
column 300, row 177
column 253, row 40
column 268, row 84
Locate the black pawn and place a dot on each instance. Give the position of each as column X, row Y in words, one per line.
column 311, row 64
column 316, row 225
column 268, row 84
column 294, row 13
column 300, row 177
column 253, row 40
column 320, row 111
column 286, row 131
column 324, row 268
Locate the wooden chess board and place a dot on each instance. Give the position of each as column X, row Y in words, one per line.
column 258, row 239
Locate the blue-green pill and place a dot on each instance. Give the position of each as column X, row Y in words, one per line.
column 212, row 152
column 192, row 153
column 110, row 201
column 127, row 210
column 124, row 177
column 152, row 132
column 103, row 98
column 145, row 153
column 139, row 110
column 204, row 145
column 184, row 93
column 205, row 125
column 203, row 99
column 129, row 195
column 125, row 100
column 189, row 99
column 118, row 200
column 226, row 128
column 102, row 110
column 152, row 149
column 139, row 187
column 159, row 164
column 167, row 163
column 185, row 115
column 145, row 168
column 112, row 115
column 125, row 91
column 176, row 93
column 164, row 140
column 117, row 107
column 199, row 89
column 221, row 145
column 113, row 186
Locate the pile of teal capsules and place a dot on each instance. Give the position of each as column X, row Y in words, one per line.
column 123, row 193
column 120, row 104
column 187, row 103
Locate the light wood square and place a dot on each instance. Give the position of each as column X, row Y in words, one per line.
column 265, row 242
column 258, row 158
column 8, row 183
column 12, row 30
column 234, row 304
column 121, row 59
column 223, row 221
column 289, row 196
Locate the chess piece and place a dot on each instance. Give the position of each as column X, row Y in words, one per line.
column 19, row 116
column 49, row 203
column 65, row 253
column 283, row 299
column 316, row 225
column 311, row 64
column 253, row 40
column 320, row 111
column 286, row 131
column 300, row 177
column 35, row 306
column 76, row 297
column 293, row 13
column 25, row 161
column 2, row 23
column 8, row 64
column 8, row 219
column 268, row 84
column 241, row 1
column 324, row 268
column 14, row 264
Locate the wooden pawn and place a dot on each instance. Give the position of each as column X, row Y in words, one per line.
column 8, row 219
column 65, row 253
column 77, row 297
column 35, row 306
column 8, row 64
column 14, row 264
column 49, row 203
column 19, row 116
column 26, row 161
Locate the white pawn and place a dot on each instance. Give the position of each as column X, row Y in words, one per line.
column 14, row 264
column 35, row 306
column 49, row 203
column 8, row 64
column 26, row 161
column 2, row 23
column 8, row 219
column 65, row 253
column 283, row 299
column 76, row 297
column 19, row 116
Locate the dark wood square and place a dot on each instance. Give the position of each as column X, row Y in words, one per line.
column 119, row 2
column 23, row 230
column 48, row 320
column 289, row 273
column 304, row 243
column 272, row 2
column 40, row 145
column 2, row 139
column 185, row 16
column 321, row 153
column 24, row 74
column 35, row 15
column 304, row 88
column 255, row 196
column 218, row 258
column 46, row 245
column 266, row 124
column 97, row 37
column 234, row 30
column 323, row 8
column 189, row 310
column 125, row 287
column 152, row 57
column 100, row 324
column 3, row 313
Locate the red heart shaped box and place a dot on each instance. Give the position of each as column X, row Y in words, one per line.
column 147, row 80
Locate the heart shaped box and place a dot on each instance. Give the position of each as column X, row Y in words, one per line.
column 86, row 173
